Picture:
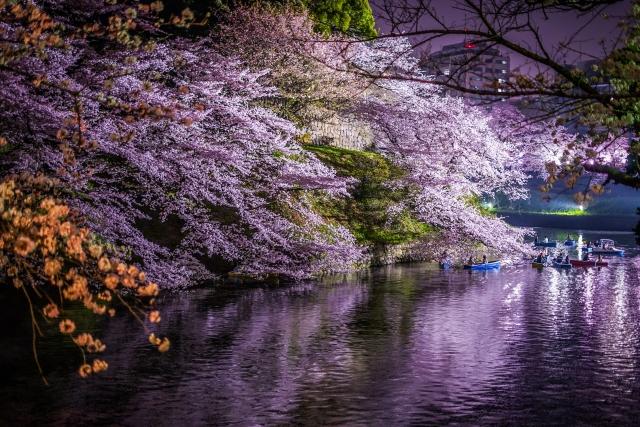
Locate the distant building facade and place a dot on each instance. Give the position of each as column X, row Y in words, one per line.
column 475, row 65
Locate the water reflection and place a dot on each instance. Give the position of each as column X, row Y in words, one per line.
column 398, row 345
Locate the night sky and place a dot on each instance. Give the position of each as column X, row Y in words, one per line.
column 555, row 29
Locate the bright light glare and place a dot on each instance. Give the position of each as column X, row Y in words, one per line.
column 581, row 207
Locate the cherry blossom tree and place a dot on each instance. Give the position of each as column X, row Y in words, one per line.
column 555, row 152
column 167, row 130
column 452, row 155
column 452, row 152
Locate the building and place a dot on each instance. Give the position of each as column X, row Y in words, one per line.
column 470, row 64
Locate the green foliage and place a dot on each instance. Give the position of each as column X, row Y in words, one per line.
column 353, row 17
column 6, row 148
column 365, row 214
column 567, row 212
column 562, row 212
column 345, row 16
column 622, row 69
column 484, row 209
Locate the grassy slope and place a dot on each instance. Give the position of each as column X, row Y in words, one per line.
column 366, row 213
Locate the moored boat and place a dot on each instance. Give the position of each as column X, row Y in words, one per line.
column 537, row 264
column 591, row 263
column 606, row 247
column 484, row 266
column 570, row 242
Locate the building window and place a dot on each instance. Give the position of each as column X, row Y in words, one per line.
column 446, row 72
column 504, row 71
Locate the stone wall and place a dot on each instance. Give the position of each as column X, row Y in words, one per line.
column 406, row 252
column 343, row 132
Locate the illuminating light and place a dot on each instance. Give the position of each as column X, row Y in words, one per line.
column 581, row 207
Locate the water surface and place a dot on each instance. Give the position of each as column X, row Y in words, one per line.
column 394, row 346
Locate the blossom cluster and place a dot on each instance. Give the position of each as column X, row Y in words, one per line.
column 47, row 256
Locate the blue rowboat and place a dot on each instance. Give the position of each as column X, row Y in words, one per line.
column 570, row 242
column 485, row 266
column 545, row 244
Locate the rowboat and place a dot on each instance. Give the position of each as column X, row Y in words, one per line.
column 484, row 266
column 608, row 251
column 593, row 263
column 606, row 247
column 561, row 265
column 570, row 242
column 544, row 244
column 537, row 264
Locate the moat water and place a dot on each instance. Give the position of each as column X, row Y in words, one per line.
column 402, row 345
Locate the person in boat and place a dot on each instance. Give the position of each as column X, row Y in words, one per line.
column 484, row 259
column 585, row 256
column 536, row 239
column 599, row 260
column 546, row 240
column 589, row 244
column 470, row 260
column 568, row 236
column 566, row 259
column 539, row 258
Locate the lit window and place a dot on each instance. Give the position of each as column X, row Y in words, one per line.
column 446, row 72
column 500, row 80
column 504, row 71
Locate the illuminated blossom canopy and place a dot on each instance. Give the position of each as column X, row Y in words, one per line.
column 168, row 133
column 172, row 149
